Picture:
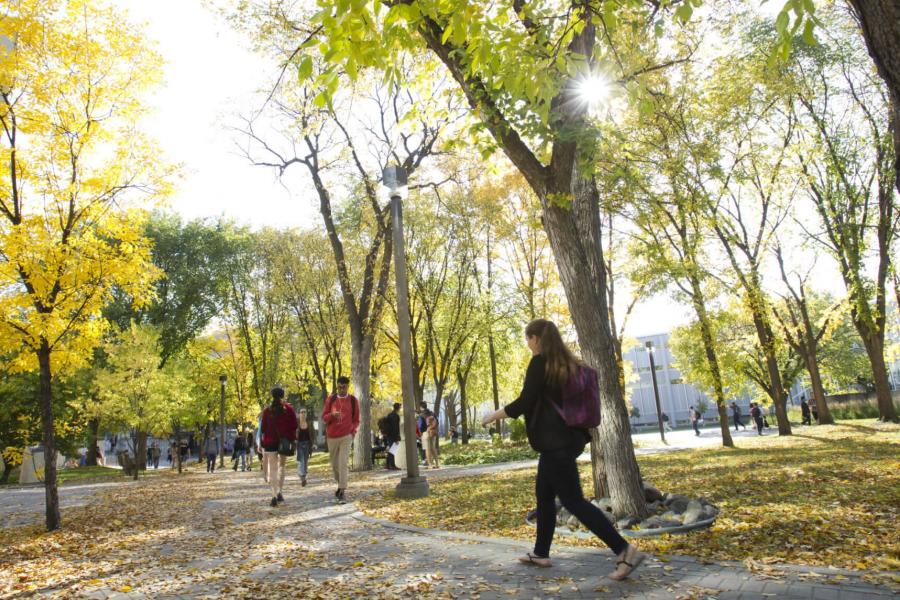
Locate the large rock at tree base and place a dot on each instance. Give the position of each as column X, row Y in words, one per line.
column 659, row 522
column 627, row 522
column 677, row 503
column 651, row 494
column 693, row 512
column 604, row 504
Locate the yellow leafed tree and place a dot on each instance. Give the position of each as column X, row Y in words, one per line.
column 71, row 79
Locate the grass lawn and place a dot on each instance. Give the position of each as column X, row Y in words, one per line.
column 824, row 496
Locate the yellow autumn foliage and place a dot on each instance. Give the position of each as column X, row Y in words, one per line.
column 77, row 174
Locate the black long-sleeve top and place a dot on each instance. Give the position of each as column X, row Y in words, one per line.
column 393, row 426
column 545, row 427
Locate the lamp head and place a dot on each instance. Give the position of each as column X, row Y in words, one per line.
column 223, row 378
column 649, row 346
column 395, row 180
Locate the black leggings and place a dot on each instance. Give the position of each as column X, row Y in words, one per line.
column 557, row 475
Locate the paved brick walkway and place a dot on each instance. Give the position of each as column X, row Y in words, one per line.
column 234, row 545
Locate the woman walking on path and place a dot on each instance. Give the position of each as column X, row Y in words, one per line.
column 305, row 438
column 279, row 421
column 558, row 445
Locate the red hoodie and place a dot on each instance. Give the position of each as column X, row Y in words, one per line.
column 275, row 426
column 344, row 424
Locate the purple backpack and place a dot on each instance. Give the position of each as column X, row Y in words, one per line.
column 581, row 399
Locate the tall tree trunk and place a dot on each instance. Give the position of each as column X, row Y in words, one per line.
column 93, row 433
column 51, row 493
column 875, row 350
column 140, row 451
column 598, row 465
column 764, row 334
column 880, row 24
column 494, row 389
column 818, row 389
column 574, row 235
column 463, row 407
column 360, row 364
column 712, row 359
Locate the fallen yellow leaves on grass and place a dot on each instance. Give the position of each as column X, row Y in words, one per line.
column 826, row 496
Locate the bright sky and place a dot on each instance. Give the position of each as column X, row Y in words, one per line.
column 211, row 75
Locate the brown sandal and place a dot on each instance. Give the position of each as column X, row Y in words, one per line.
column 635, row 561
column 534, row 560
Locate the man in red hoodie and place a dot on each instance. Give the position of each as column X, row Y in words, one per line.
column 341, row 418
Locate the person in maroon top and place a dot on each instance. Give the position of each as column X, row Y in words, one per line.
column 278, row 421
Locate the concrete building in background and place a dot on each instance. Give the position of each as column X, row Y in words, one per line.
column 675, row 395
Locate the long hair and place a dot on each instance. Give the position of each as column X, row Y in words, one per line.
column 561, row 363
column 277, row 397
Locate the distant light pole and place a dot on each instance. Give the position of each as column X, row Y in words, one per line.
column 222, row 380
column 413, row 485
column 662, row 432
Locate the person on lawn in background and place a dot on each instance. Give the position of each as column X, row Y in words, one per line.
column 736, row 415
column 306, row 437
column 804, row 412
column 695, row 420
column 341, row 418
column 558, row 445
column 279, row 421
column 756, row 415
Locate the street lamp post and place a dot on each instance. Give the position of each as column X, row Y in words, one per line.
column 222, row 380
column 413, row 485
column 662, row 432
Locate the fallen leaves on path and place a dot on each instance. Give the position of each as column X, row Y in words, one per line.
column 827, row 496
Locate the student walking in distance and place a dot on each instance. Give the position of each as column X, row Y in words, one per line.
column 695, row 420
column 736, row 415
column 804, row 411
column 211, row 450
column 431, row 442
column 306, row 437
column 279, row 431
column 558, row 445
column 341, row 418
column 756, row 415
column 259, row 448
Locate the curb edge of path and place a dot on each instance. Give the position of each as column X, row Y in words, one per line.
column 688, row 560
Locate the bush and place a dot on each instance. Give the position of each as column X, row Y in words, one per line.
column 480, row 453
column 517, row 430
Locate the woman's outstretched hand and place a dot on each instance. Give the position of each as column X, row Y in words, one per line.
column 494, row 416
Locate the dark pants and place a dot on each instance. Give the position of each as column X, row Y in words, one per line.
column 696, row 425
column 759, row 424
column 806, row 419
column 557, row 475
column 210, row 462
column 737, row 421
column 390, row 462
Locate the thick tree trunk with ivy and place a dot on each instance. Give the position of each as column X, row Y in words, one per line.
column 51, row 493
